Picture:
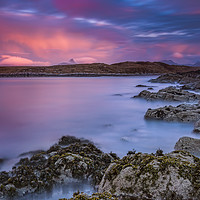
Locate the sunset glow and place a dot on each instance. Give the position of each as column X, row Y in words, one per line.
column 49, row 32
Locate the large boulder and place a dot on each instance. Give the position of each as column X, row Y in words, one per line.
column 146, row 176
column 180, row 113
column 188, row 144
column 169, row 94
column 71, row 158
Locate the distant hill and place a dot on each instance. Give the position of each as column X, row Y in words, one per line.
column 169, row 62
column 70, row 62
column 197, row 64
column 95, row 69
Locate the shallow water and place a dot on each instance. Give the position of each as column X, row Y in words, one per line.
column 36, row 112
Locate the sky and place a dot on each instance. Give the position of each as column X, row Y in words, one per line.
column 48, row 32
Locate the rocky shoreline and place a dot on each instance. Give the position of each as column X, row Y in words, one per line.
column 136, row 176
column 173, row 175
column 71, row 158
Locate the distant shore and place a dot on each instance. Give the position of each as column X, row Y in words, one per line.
column 94, row 70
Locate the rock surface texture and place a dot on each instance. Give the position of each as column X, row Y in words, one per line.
column 169, row 94
column 188, row 144
column 180, row 113
column 71, row 158
column 197, row 127
column 143, row 176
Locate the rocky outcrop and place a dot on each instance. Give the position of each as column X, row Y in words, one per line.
column 191, row 80
column 180, row 113
column 71, row 158
column 169, row 94
column 188, row 144
column 96, row 196
column 146, row 176
column 197, row 127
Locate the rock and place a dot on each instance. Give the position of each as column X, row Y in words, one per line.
column 188, row 144
column 30, row 153
column 71, row 158
column 146, row 176
column 142, row 86
column 67, row 140
column 95, row 196
column 197, row 127
column 191, row 80
column 180, row 113
column 169, row 94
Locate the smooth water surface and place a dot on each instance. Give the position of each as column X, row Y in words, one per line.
column 36, row 112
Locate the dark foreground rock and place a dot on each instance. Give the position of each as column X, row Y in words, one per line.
column 180, row 113
column 80, row 160
column 142, row 176
column 191, row 80
column 169, row 94
column 188, row 144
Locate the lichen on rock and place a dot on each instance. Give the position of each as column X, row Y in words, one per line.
column 146, row 176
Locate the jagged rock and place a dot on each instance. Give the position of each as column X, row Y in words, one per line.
column 197, row 127
column 71, row 158
column 143, row 176
column 169, row 94
column 191, row 80
column 188, row 144
column 180, row 113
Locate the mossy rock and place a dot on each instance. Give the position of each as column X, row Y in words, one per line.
column 147, row 176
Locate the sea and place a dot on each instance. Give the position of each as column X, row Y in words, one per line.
column 36, row 112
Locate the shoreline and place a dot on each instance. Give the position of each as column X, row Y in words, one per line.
column 27, row 75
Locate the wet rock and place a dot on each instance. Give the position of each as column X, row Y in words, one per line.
column 30, row 153
column 188, row 144
column 67, row 140
column 71, row 158
column 143, row 176
column 180, row 113
column 191, row 80
column 99, row 196
column 197, row 127
column 142, row 86
column 169, row 94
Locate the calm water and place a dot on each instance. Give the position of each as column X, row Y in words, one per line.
column 36, row 112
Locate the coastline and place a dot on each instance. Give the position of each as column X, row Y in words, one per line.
column 94, row 70
column 118, row 169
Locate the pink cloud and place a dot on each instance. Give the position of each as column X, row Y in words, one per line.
column 178, row 55
column 85, row 60
column 19, row 61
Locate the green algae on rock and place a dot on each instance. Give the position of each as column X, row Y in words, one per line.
column 145, row 176
column 78, row 160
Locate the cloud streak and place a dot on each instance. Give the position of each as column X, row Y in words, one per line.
column 54, row 31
